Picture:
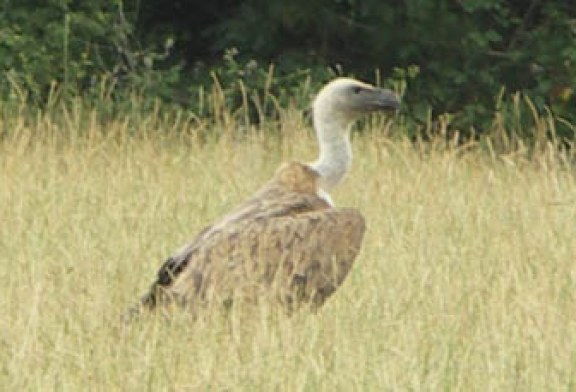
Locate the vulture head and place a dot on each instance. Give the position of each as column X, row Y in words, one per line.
column 346, row 99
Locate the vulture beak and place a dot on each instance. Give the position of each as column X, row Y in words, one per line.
column 383, row 99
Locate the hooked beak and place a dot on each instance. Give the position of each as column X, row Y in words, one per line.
column 384, row 100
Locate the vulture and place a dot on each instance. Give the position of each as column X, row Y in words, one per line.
column 288, row 242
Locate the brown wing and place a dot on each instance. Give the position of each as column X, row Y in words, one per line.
column 288, row 245
column 285, row 241
column 294, row 259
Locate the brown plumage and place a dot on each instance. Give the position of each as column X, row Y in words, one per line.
column 285, row 237
column 287, row 243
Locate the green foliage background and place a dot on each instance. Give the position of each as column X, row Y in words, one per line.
column 464, row 57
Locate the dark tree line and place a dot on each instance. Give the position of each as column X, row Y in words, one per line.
column 465, row 51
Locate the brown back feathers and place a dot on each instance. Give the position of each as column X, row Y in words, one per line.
column 285, row 243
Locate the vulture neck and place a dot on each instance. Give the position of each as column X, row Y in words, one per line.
column 333, row 133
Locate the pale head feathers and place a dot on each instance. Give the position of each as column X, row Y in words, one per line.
column 347, row 99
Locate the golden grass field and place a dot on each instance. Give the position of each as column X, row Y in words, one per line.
column 466, row 280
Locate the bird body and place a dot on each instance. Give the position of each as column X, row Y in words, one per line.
column 287, row 242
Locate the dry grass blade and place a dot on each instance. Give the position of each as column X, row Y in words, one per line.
column 466, row 281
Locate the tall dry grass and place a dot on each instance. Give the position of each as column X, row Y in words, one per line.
column 466, row 280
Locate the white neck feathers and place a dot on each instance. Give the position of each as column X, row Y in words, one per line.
column 333, row 133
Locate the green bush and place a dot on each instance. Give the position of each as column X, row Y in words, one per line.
column 464, row 52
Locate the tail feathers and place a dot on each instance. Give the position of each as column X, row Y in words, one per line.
column 147, row 303
column 171, row 267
